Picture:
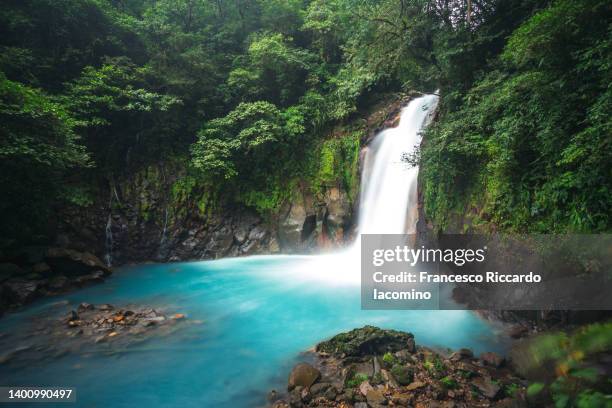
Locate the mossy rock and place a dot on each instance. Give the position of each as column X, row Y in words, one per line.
column 404, row 375
column 368, row 340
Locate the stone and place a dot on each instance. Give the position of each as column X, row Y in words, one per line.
column 518, row 331
column 375, row 398
column 73, row 316
column 319, row 388
column 9, row 270
column 492, row 359
column 361, row 405
column 365, row 387
column 368, row 340
column 402, row 374
column 337, row 214
column 41, row 268
column 303, row 375
column 487, row 387
column 389, row 379
column 85, row 306
column 291, row 224
column 58, row 283
column 273, row 396
column 240, row 235
column 415, row 385
column 21, row 291
column 401, row 400
column 461, row 354
column 73, row 263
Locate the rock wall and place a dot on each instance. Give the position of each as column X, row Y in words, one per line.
column 146, row 217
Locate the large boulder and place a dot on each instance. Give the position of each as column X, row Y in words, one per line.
column 10, row 270
column 303, row 375
column 368, row 340
column 74, row 263
column 338, row 213
column 20, row 291
column 291, row 224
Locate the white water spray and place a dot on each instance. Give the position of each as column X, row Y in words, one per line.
column 389, row 197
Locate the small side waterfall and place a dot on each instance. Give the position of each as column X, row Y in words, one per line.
column 108, row 257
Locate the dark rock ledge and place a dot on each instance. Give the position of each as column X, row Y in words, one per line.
column 372, row 368
column 37, row 271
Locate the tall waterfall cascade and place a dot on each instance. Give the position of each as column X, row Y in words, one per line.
column 389, row 196
column 389, row 200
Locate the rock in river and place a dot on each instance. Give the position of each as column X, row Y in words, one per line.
column 303, row 375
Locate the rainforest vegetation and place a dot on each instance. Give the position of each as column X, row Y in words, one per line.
column 245, row 93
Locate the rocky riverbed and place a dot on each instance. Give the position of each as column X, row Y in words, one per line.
column 372, row 368
column 87, row 328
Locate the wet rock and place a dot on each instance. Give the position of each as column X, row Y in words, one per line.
column 376, row 398
column 9, row 270
column 71, row 263
column 41, row 268
column 402, row 374
column 415, row 385
column 368, row 340
column 518, row 331
column 303, row 375
column 338, row 213
column 73, row 316
column 401, row 400
column 487, row 387
column 21, row 291
column 59, row 283
column 462, row 354
column 319, row 388
column 290, row 227
column 85, row 306
column 365, row 387
column 492, row 359
column 273, row 396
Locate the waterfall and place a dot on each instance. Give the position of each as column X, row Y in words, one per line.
column 389, row 202
column 108, row 257
column 389, row 197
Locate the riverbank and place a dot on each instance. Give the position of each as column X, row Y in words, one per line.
column 35, row 272
column 373, row 368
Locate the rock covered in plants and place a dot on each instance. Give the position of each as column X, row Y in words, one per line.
column 373, row 368
column 368, row 340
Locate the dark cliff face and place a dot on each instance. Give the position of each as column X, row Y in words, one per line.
column 144, row 217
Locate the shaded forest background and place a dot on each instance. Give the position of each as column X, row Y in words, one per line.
column 242, row 90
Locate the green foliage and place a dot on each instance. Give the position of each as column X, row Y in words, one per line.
column 578, row 381
column 389, row 359
column 448, row 383
column 38, row 146
column 356, row 380
column 529, row 159
column 336, row 162
column 404, row 375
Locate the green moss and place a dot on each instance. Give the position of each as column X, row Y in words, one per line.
column 356, row 380
column 448, row 383
column 336, row 162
